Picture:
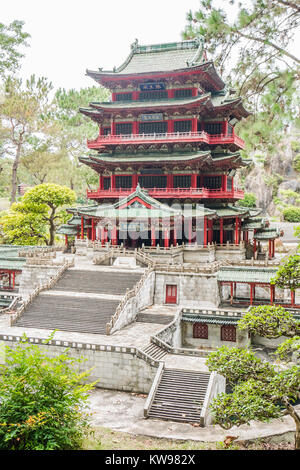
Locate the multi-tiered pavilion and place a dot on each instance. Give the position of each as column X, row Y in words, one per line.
column 166, row 154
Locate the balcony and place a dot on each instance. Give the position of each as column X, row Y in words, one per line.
column 172, row 137
column 169, row 193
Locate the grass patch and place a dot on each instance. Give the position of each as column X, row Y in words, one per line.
column 108, row 439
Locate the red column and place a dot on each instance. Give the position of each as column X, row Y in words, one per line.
column 102, row 236
column 170, row 128
column 134, row 181
column 221, row 232
column 114, row 235
column 167, row 238
column 270, row 249
column 273, row 248
column 194, row 181
column 272, row 291
column 113, row 128
column 14, row 279
column 169, row 181
column 135, row 95
column 135, row 129
column 236, row 240
column 254, row 246
column 292, row 298
column 251, row 294
column 113, row 96
column 231, row 293
column 195, row 91
column 205, row 231
column 171, row 93
column 194, row 124
column 113, row 182
column 93, row 230
column 66, row 240
column 82, row 228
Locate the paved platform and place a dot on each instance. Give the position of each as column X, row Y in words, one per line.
column 124, row 412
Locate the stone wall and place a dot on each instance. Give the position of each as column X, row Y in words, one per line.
column 214, row 337
column 191, row 288
column 114, row 367
column 32, row 276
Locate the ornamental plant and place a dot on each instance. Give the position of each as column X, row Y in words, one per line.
column 288, row 275
column 269, row 321
column 42, row 400
column 260, row 391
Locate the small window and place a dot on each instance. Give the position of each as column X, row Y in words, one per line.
column 182, row 126
column 183, row 93
column 123, row 96
column 200, row 330
column 228, row 333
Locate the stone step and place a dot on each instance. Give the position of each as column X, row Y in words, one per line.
column 179, row 396
column 100, row 282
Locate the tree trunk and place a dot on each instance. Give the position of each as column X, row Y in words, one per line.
column 292, row 412
column 52, row 226
column 14, row 174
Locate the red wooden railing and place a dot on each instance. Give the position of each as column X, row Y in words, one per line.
column 203, row 193
column 166, row 137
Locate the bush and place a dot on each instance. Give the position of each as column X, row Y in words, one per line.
column 42, row 400
column 291, row 214
column 248, row 201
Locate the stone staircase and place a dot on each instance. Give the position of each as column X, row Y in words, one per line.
column 61, row 309
column 154, row 351
column 97, row 282
column 179, row 396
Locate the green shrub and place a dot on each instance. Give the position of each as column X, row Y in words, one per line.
column 291, row 214
column 248, row 201
column 43, row 400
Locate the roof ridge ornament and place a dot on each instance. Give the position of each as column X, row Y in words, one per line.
column 134, row 45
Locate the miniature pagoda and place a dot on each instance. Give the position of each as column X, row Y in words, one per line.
column 166, row 154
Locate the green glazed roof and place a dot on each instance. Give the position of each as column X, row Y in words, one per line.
column 161, row 57
column 267, row 234
column 212, row 319
column 12, row 263
column 246, row 274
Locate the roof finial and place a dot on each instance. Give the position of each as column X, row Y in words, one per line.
column 134, row 45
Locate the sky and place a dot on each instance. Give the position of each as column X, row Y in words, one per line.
column 70, row 36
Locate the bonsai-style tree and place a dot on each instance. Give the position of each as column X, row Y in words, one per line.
column 288, row 275
column 43, row 400
column 260, row 391
column 269, row 321
column 24, row 224
column 42, row 204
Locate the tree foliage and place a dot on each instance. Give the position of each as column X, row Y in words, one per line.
column 35, row 218
column 43, row 400
column 260, row 390
column 288, row 274
column 23, row 114
column 12, row 39
column 252, row 50
column 269, row 321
